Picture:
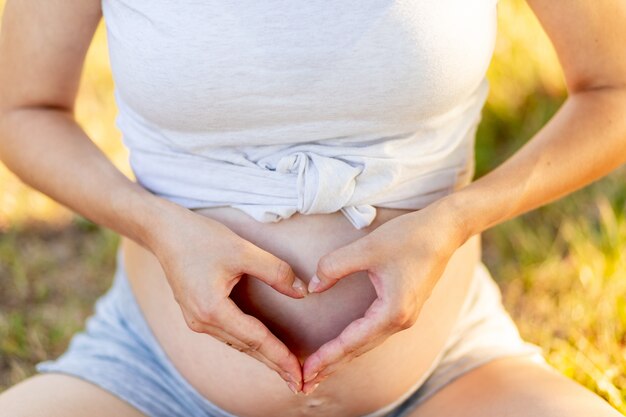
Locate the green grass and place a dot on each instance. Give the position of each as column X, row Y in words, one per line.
column 49, row 280
column 562, row 270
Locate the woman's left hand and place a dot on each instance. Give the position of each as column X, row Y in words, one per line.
column 404, row 258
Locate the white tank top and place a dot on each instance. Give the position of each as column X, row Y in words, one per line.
column 312, row 106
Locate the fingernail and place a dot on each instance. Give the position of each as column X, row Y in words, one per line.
column 299, row 286
column 312, row 389
column 292, row 387
column 312, row 377
column 314, row 283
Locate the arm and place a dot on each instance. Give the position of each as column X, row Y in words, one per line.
column 584, row 141
column 43, row 45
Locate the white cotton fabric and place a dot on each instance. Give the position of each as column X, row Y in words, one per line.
column 277, row 107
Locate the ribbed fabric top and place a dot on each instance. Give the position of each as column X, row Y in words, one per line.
column 276, row 107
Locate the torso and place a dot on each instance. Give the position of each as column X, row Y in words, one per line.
column 362, row 386
column 245, row 83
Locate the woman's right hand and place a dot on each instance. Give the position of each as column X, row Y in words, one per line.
column 203, row 260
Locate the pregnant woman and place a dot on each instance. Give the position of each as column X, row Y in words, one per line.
column 303, row 235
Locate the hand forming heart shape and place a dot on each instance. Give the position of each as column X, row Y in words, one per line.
column 404, row 259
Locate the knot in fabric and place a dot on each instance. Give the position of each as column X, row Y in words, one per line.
column 325, row 185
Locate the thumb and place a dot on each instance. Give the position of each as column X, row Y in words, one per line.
column 273, row 271
column 337, row 264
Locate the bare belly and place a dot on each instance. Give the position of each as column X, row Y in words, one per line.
column 244, row 386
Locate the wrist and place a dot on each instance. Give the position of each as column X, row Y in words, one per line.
column 454, row 214
column 150, row 216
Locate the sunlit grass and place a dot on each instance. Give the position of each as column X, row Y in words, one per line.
column 562, row 267
column 563, row 273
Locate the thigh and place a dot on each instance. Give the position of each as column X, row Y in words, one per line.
column 60, row 395
column 514, row 387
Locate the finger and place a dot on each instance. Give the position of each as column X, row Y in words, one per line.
column 200, row 326
column 219, row 334
column 339, row 263
column 357, row 338
column 256, row 337
column 273, row 271
column 241, row 346
column 213, row 322
column 384, row 323
column 308, row 387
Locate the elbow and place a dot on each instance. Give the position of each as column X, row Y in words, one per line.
column 582, row 85
column 609, row 98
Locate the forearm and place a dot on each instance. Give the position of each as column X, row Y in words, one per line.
column 50, row 152
column 585, row 140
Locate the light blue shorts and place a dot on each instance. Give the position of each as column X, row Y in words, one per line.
column 118, row 352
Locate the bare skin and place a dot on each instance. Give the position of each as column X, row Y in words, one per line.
column 43, row 46
column 216, row 370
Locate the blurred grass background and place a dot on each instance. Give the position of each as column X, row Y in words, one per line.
column 561, row 268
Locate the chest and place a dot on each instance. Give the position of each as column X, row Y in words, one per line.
column 214, row 65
